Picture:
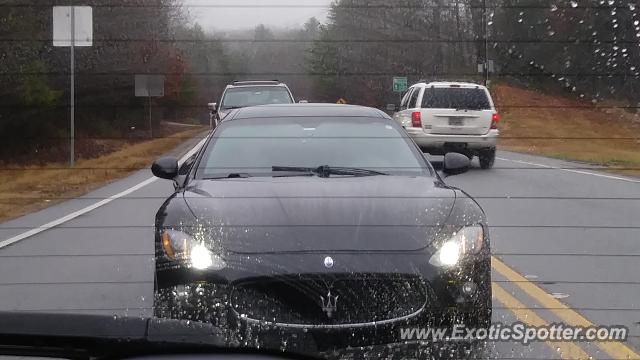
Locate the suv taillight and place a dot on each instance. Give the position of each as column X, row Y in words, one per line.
column 415, row 119
column 494, row 120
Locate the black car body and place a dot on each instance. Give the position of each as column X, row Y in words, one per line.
column 340, row 256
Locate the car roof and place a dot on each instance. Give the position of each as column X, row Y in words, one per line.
column 451, row 83
column 254, row 83
column 307, row 110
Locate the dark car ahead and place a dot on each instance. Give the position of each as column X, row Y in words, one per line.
column 320, row 222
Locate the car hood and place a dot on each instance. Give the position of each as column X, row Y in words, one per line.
column 305, row 214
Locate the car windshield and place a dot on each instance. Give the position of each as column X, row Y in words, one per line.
column 334, row 179
column 455, row 98
column 254, row 146
column 256, row 95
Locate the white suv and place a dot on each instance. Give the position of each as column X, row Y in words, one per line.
column 249, row 93
column 444, row 117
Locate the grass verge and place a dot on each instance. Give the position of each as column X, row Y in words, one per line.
column 31, row 188
column 540, row 124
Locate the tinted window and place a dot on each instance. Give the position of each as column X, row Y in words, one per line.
column 455, row 98
column 249, row 146
column 255, row 95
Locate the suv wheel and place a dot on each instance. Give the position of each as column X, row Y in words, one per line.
column 487, row 158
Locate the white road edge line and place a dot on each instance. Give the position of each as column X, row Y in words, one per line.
column 75, row 214
column 572, row 171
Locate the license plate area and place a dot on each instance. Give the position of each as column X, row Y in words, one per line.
column 456, row 121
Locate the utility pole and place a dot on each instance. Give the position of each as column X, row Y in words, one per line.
column 485, row 23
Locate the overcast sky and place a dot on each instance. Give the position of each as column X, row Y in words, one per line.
column 238, row 14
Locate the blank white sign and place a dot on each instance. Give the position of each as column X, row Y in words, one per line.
column 83, row 16
column 149, row 85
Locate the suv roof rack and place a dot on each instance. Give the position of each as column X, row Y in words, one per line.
column 245, row 82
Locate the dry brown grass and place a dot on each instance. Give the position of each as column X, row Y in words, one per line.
column 32, row 188
column 613, row 135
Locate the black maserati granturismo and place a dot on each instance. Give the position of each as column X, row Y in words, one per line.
column 322, row 224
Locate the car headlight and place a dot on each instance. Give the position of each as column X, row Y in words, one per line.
column 465, row 241
column 178, row 245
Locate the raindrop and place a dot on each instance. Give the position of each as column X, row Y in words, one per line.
column 611, row 2
column 490, row 23
column 520, row 20
column 574, row 4
column 554, row 8
column 636, row 23
column 551, row 33
column 632, row 6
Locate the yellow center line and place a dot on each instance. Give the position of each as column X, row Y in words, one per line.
column 615, row 349
column 567, row 350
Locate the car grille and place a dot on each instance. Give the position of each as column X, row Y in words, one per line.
column 306, row 300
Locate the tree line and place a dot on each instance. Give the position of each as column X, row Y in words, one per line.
column 587, row 49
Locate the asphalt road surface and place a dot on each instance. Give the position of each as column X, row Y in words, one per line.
column 566, row 244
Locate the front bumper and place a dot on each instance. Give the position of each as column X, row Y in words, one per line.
column 440, row 141
column 390, row 291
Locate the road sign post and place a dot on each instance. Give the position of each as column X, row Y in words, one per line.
column 72, row 26
column 149, row 86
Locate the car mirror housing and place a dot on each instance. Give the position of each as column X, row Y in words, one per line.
column 213, row 107
column 165, row 168
column 455, row 163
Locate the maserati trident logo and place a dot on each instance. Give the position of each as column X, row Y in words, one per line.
column 328, row 262
column 330, row 305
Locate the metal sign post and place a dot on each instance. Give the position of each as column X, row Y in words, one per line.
column 72, row 26
column 72, row 100
column 149, row 86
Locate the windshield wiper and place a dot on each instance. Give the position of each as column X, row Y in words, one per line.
column 228, row 176
column 326, row 170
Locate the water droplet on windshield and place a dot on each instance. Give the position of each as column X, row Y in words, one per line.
column 554, row 8
column 573, row 4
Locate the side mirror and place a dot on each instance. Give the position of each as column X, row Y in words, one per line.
column 213, row 107
column 455, row 163
column 165, row 168
column 303, row 101
column 391, row 107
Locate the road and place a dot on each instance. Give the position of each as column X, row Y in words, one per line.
column 565, row 242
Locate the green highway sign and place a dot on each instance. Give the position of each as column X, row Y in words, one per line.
column 400, row 84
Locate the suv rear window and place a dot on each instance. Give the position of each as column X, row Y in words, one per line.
column 455, row 98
